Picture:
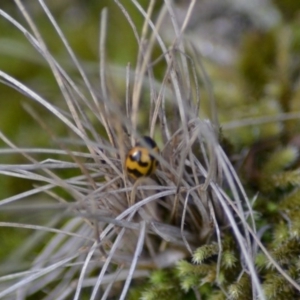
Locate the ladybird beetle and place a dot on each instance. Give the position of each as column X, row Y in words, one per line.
column 139, row 162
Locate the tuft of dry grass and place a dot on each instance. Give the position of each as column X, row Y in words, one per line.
column 106, row 229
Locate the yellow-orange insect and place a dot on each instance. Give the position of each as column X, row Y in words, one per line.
column 139, row 161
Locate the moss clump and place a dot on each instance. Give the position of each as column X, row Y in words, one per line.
column 256, row 70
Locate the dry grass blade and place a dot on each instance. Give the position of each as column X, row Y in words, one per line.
column 97, row 232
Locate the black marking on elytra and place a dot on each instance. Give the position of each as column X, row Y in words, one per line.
column 135, row 172
column 150, row 169
column 143, row 164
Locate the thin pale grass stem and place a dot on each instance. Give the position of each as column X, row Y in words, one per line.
column 193, row 167
column 177, row 43
column 121, row 277
column 190, row 210
column 231, row 173
column 84, row 171
column 188, row 150
column 47, row 279
column 66, row 292
column 138, row 76
column 59, row 182
column 159, row 102
column 55, row 243
column 245, row 249
column 173, row 18
column 188, row 247
column 107, row 260
column 163, row 120
column 162, row 235
column 102, row 55
column 200, row 205
column 153, row 97
column 21, row 253
column 43, row 282
column 198, row 202
column 63, row 284
column 47, row 55
column 253, row 121
column 132, row 209
column 235, row 194
column 145, row 27
column 128, row 189
column 220, row 248
column 110, row 285
column 171, row 233
column 181, row 169
column 56, row 197
column 127, row 97
column 44, row 150
column 212, row 167
column 197, row 90
column 83, row 270
column 122, row 155
column 197, row 293
column 230, row 176
column 138, row 250
column 144, row 63
column 27, row 175
column 40, row 273
column 34, row 96
column 76, row 62
column 209, row 89
column 17, row 275
column 93, row 204
column 155, row 227
column 129, row 19
column 55, row 164
column 42, row 228
column 36, row 45
column 52, row 134
column 75, row 182
column 169, row 59
column 149, row 70
column 142, row 59
column 259, row 243
column 59, row 245
column 137, row 183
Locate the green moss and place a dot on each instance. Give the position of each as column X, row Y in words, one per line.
column 258, row 52
column 163, row 284
column 289, row 8
column 241, row 289
column 276, row 288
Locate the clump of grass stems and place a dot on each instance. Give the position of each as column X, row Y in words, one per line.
column 108, row 230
